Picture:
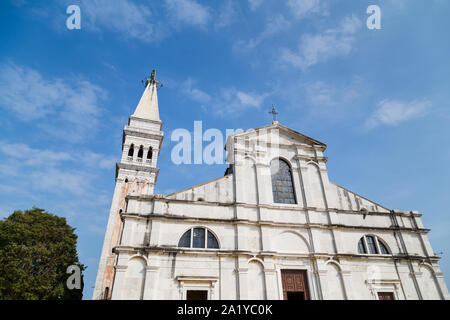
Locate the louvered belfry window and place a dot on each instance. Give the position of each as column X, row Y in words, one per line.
column 282, row 185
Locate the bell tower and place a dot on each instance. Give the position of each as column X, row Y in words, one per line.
column 136, row 174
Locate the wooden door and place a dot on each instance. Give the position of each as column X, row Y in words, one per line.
column 295, row 285
column 386, row 296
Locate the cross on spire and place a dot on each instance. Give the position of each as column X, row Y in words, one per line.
column 274, row 113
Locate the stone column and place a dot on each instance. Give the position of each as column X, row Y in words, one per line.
column 264, row 184
column 322, row 275
column 154, row 233
column 243, row 283
column 127, row 233
column 271, row 281
column 151, row 279
column 239, row 175
column 441, row 285
column 265, row 238
column 242, row 273
column 155, row 153
column 144, row 156
column 297, row 183
column 119, row 280
column 213, row 294
column 126, row 149
column 241, row 234
column 348, row 287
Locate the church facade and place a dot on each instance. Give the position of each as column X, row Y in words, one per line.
column 273, row 227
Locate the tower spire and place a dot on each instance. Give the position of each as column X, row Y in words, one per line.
column 147, row 107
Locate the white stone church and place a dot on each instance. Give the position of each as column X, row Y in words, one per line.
column 274, row 227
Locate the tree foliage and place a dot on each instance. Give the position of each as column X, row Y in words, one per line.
column 36, row 248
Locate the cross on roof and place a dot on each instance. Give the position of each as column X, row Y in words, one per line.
column 274, row 113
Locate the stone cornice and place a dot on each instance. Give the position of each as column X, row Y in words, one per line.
column 137, row 168
column 143, row 133
column 197, row 278
column 250, row 254
column 168, row 217
column 310, row 158
column 132, row 167
column 286, row 207
column 159, row 122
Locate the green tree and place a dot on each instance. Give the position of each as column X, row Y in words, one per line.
column 36, row 248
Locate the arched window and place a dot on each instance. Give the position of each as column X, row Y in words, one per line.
column 370, row 241
column 150, row 153
column 282, row 185
column 141, row 152
column 372, row 245
column 361, row 246
column 198, row 238
column 131, row 151
column 383, row 248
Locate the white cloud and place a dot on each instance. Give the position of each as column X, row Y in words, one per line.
column 254, row 4
column 72, row 103
column 96, row 160
column 227, row 102
column 67, row 182
column 23, row 155
column 317, row 48
column 194, row 93
column 393, row 112
column 300, row 8
column 24, row 91
column 231, row 101
column 57, row 181
column 188, row 12
column 31, row 181
column 323, row 94
column 130, row 19
column 274, row 25
column 32, row 157
column 350, row 25
column 320, row 93
column 226, row 16
column 250, row 100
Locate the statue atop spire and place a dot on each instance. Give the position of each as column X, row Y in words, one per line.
column 151, row 80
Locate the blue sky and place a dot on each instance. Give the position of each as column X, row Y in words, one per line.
column 377, row 98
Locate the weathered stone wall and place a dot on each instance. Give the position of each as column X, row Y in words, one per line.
column 259, row 238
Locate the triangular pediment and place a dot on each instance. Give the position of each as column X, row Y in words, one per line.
column 285, row 135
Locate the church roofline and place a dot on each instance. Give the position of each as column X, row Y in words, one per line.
column 379, row 205
column 282, row 127
column 199, row 185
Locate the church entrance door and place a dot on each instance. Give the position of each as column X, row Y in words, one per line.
column 386, row 296
column 295, row 285
column 197, row 295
